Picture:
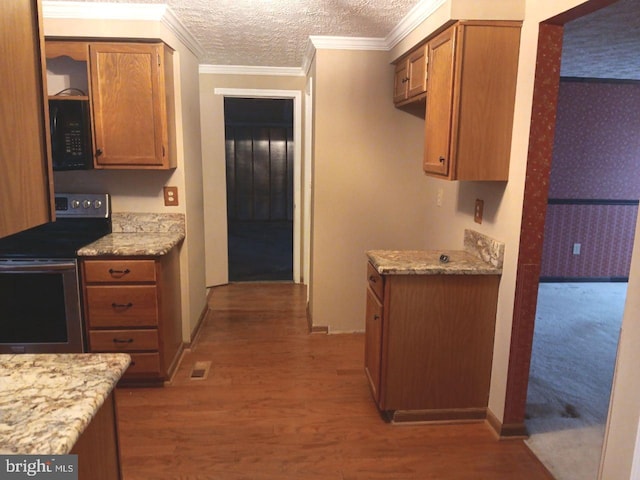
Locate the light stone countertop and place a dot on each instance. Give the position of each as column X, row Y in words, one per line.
column 139, row 234
column 47, row 400
column 482, row 255
column 427, row 262
column 132, row 244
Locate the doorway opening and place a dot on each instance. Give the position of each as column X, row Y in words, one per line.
column 535, row 211
column 259, row 156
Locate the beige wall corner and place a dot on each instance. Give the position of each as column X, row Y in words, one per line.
column 368, row 188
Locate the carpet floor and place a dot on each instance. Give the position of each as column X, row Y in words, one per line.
column 574, row 350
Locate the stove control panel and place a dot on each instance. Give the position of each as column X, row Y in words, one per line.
column 86, row 205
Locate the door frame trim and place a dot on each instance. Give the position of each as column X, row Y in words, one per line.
column 296, row 96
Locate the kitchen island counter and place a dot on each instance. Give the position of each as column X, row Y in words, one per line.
column 48, row 400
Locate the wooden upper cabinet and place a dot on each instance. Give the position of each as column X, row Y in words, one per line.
column 400, row 82
column 439, row 103
column 131, row 93
column 78, row 51
column 471, row 94
column 410, row 83
column 26, row 189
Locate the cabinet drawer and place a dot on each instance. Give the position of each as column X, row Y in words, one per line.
column 119, row 271
column 123, row 340
column 376, row 281
column 144, row 363
column 122, row 306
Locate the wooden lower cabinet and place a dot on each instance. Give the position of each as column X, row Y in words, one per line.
column 98, row 447
column 132, row 305
column 429, row 344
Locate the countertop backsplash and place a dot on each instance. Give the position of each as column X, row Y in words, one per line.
column 484, row 247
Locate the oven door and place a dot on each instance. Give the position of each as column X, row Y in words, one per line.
column 40, row 306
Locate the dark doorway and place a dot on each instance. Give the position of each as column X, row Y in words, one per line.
column 259, row 165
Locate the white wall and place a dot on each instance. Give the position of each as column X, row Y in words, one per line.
column 141, row 191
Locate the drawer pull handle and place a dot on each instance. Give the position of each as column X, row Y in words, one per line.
column 120, row 340
column 122, row 305
column 113, row 272
column 372, row 279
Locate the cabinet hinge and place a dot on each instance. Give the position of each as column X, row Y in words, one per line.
column 163, row 154
column 158, row 55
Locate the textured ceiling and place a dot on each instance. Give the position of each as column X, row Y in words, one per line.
column 275, row 33
column 604, row 44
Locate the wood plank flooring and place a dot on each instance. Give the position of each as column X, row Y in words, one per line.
column 279, row 403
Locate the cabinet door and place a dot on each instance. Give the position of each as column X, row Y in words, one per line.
column 25, row 184
column 373, row 343
column 417, row 66
column 129, row 105
column 400, row 82
column 439, row 104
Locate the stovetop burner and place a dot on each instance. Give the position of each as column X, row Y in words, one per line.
column 80, row 220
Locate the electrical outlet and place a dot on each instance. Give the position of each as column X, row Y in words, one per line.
column 439, row 196
column 576, row 248
column 171, row 196
column 477, row 215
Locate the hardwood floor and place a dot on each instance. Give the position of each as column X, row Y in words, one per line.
column 279, row 403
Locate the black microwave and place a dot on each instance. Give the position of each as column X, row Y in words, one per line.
column 70, row 134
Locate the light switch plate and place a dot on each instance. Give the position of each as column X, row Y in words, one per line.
column 171, row 196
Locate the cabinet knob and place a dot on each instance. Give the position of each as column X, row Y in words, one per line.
column 405, row 79
column 441, row 159
column 376, row 317
column 98, row 152
column 372, row 279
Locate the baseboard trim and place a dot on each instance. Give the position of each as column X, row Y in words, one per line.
column 315, row 328
column 196, row 331
column 508, row 431
column 173, row 368
column 450, row 415
column 584, row 279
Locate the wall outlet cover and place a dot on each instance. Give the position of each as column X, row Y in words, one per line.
column 171, row 196
column 478, row 211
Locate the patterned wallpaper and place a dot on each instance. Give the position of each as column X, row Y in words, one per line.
column 596, row 156
column 596, row 151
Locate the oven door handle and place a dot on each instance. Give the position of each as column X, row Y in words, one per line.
column 17, row 267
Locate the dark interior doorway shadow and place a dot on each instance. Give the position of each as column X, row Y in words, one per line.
column 259, row 169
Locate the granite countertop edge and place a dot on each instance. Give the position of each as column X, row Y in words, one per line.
column 153, row 244
column 48, row 400
column 427, row 262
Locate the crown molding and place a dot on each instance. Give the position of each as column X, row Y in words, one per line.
column 252, row 70
column 309, row 54
column 174, row 24
column 418, row 14
column 124, row 11
column 347, row 43
column 103, row 10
